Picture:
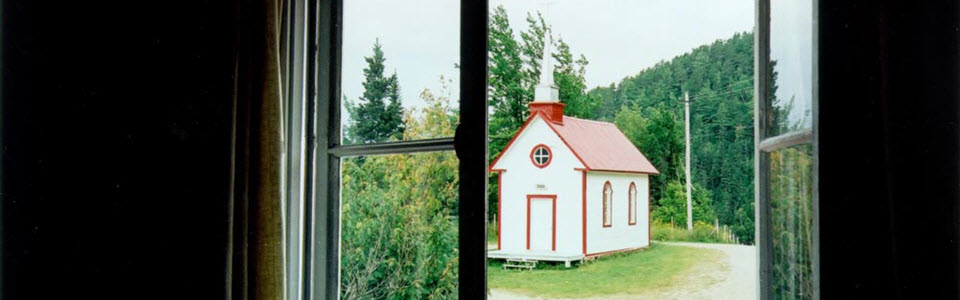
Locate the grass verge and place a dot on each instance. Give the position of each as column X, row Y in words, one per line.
column 701, row 233
column 660, row 267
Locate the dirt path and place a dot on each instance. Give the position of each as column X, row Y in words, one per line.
column 736, row 281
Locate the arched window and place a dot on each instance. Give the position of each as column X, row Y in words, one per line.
column 632, row 210
column 607, row 205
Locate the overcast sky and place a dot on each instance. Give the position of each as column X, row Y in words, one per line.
column 619, row 37
column 791, row 46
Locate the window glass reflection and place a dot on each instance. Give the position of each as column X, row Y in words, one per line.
column 791, row 46
column 791, row 222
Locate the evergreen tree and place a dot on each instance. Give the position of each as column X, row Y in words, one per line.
column 533, row 40
column 514, row 72
column 658, row 133
column 569, row 76
column 508, row 92
column 399, row 233
column 378, row 116
column 509, row 85
column 719, row 78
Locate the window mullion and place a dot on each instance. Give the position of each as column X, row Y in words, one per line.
column 321, row 216
column 786, row 140
column 442, row 144
column 761, row 159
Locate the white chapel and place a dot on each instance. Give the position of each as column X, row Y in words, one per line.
column 569, row 188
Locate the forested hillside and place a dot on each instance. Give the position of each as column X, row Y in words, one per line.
column 648, row 107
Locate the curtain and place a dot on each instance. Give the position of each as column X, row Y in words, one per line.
column 255, row 248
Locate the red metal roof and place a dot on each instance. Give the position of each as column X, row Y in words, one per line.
column 602, row 146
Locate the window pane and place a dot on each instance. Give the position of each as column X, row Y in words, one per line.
column 399, row 226
column 633, row 204
column 791, row 221
column 791, row 47
column 398, row 56
column 621, row 69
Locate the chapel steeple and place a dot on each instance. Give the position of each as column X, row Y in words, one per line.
column 546, row 95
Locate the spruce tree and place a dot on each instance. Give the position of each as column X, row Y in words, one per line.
column 378, row 117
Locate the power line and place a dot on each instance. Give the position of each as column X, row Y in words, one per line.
column 725, row 87
column 701, row 96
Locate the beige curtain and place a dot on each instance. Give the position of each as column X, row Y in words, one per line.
column 255, row 259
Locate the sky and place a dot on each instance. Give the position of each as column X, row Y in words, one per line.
column 420, row 39
column 791, row 46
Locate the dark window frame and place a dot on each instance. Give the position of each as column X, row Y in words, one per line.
column 632, row 204
column 323, row 150
column 607, row 221
column 533, row 157
column 764, row 145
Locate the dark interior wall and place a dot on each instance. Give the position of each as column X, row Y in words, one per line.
column 889, row 137
column 115, row 148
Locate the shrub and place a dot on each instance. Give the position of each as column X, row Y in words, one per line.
column 702, row 233
column 398, row 216
column 673, row 205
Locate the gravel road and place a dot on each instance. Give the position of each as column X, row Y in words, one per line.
column 737, row 280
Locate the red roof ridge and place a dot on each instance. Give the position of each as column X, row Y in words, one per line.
column 591, row 121
column 603, row 148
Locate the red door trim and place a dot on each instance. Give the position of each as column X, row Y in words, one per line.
column 553, row 227
column 499, row 204
column 553, row 233
column 584, row 210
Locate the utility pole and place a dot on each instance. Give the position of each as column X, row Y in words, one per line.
column 686, row 120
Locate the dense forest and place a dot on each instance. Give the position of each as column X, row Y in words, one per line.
column 648, row 107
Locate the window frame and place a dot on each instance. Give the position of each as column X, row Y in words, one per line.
column 293, row 43
column 607, row 221
column 323, row 149
column 632, row 204
column 533, row 157
column 764, row 145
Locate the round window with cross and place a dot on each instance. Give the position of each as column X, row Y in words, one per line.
column 541, row 156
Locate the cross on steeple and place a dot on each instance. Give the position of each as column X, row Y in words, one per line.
column 546, row 96
column 546, row 90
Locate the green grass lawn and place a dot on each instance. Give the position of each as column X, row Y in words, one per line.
column 636, row 273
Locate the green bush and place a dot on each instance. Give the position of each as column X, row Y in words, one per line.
column 672, row 207
column 398, row 215
column 702, row 233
